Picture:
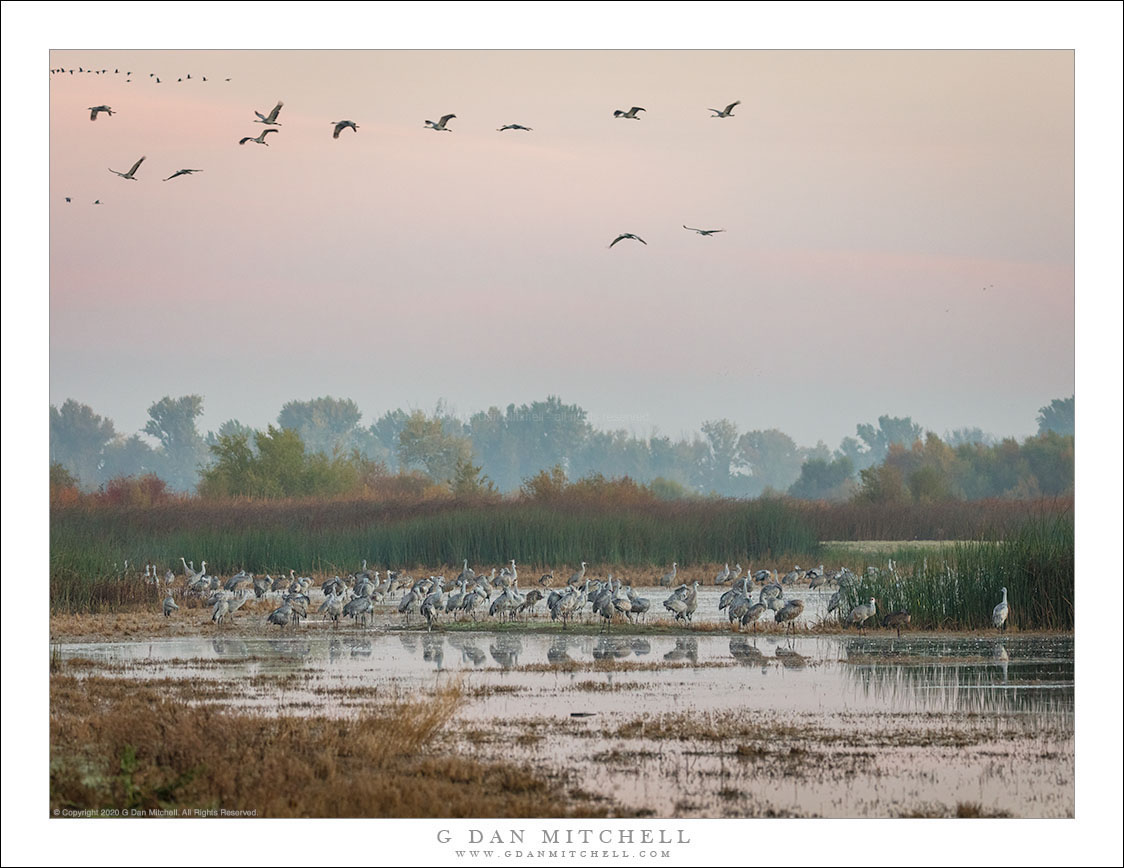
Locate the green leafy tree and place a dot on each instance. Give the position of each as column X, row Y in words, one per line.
column 822, row 479
column 127, row 457
column 1057, row 416
column 773, row 458
column 424, row 443
column 78, row 438
column 469, row 481
column 172, row 422
column 327, row 425
column 724, row 461
column 891, row 429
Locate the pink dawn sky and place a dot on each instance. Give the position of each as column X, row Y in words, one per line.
column 868, row 198
column 899, row 235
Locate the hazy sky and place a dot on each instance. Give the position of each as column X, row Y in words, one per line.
column 862, row 196
column 899, row 235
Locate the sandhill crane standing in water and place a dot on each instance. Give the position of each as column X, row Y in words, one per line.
column 259, row 139
column 343, row 125
column 513, row 127
column 625, row 235
column 440, row 125
column 999, row 613
column 791, row 611
column 860, row 614
column 271, row 118
column 94, row 109
column 706, row 233
column 896, row 620
column 630, row 114
column 182, row 172
column 129, row 174
column 727, row 112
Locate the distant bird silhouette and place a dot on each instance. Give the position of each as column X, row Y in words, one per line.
column 726, row 112
column 67, row 198
column 625, row 235
column 129, row 174
column 271, row 118
column 94, row 109
column 259, row 139
column 440, row 125
column 705, row 232
column 182, row 172
column 513, row 127
column 343, row 125
column 97, row 201
column 631, row 113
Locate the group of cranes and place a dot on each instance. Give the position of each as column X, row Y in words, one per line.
column 435, row 597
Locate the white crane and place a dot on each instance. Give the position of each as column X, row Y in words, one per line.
column 343, row 125
column 271, row 118
column 260, row 139
column 94, row 109
column 625, row 235
column 513, row 127
column 440, row 125
column 630, row 114
column 999, row 613
column 129, row 174
column 727, row 112
column 706, row 233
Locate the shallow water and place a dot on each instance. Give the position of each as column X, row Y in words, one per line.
column 823, row 673
column 864, row 726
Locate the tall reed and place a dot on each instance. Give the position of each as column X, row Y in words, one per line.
column 958, row 586
column 334, row 537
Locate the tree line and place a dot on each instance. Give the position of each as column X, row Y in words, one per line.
column 320, row 448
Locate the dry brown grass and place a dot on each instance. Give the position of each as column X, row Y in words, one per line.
column 126, row 744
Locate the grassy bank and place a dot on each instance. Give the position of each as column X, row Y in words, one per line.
column 130, row 746
column 956, row 586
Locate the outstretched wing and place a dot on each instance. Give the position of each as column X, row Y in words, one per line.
column 618, row 238
column 94, row 113
column 730, row 107
column 273, row 114
column 136, row 165
column 446, row 118
column 636, row 109
column 641, row 240
column 245, row 139
column 265, row 133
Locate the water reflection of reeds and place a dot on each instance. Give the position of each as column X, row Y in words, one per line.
column 993, row 685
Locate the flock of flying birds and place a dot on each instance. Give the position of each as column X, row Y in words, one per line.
column 272, row 126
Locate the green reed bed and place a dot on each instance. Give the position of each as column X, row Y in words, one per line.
column 330, row 537
column 957, row 586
